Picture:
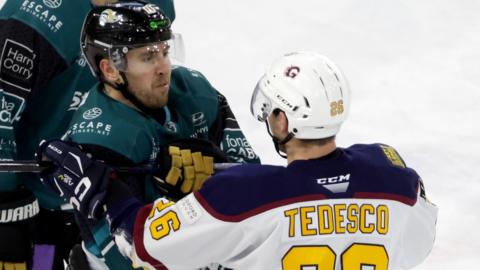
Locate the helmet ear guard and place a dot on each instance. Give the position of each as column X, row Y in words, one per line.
column 310, row 89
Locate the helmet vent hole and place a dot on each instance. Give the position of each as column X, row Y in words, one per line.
column 329, row 67
column 306, row 102
column 305, row 116
column 324, row 87
column 319, row 127
column 336, row 76
column 321, row 80
column 334, row 73
column 295, row 130
column 295, row 108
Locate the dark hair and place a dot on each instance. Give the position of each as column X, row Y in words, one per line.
column 318, row 142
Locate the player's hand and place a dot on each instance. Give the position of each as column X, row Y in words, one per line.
column 187, row 164
column 76, row 177
column 193, row 168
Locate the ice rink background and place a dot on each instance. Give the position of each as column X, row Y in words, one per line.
column 414, row 70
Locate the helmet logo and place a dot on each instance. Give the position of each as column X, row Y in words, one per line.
column 108, row 16
column 284, row 101
column 150, row 9
column 292, row 71
column 154, row 24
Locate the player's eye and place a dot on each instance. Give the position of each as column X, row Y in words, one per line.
column 148, row 57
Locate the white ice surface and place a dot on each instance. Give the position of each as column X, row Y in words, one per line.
column 414, row 70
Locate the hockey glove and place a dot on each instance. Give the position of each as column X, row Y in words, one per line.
column 186, row 164
column 75, row 177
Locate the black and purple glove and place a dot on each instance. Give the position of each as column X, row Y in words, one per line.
column 74, row 176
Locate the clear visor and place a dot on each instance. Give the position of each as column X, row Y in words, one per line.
column 260, row 105
column 146, row 57
column 177, row 49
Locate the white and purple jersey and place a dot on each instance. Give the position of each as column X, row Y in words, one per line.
column 358, row 208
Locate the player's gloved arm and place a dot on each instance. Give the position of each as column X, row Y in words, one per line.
column 226, row 133
column 185, row 165
column 18, row 209
column 75, row 177
column 122, row 208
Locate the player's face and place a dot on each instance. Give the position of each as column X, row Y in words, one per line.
column 148, row 74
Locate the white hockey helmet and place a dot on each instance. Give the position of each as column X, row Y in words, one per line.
column 310, row 89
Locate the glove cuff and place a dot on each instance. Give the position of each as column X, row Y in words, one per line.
column 17, row 210
column 18, row 206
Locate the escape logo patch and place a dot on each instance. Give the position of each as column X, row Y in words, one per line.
column 46, row 13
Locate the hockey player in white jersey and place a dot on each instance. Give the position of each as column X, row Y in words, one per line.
column 330, row 208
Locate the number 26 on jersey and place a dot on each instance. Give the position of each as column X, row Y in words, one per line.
column 356, row 257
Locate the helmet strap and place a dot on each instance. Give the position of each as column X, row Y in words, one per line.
column 123, row 88
column 277, row 142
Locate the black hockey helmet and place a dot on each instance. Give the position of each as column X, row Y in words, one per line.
column 167, row 6
column 110, row 31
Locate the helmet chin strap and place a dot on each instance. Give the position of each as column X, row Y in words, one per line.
column 277, row 142
column 123, row 88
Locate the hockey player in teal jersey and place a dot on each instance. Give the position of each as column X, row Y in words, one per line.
column 43, row 80
column 41, row 73
column 143, row 104
column 329, row 208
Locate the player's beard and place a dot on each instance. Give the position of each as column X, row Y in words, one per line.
column 154, row 98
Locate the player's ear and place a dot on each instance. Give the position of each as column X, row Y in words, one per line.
column 284, row 121
column 109, row 71
column 279, row 121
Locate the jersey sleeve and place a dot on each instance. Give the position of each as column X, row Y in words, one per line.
column 419, row 234
column 27, row 63
column 189, row 232
column 226, row 133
